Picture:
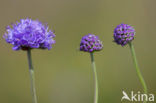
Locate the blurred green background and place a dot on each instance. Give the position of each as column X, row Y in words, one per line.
column 64, row 74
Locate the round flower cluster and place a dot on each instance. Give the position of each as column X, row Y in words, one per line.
column 90, row 43
column 123, row 34
column 29, row 34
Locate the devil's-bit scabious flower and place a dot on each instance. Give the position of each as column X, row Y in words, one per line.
column 90, row 43
column 28, row 34
column 123, row 34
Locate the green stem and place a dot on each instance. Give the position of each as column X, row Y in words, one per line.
column 32, row 76
column 137, row 69
column 95, row 79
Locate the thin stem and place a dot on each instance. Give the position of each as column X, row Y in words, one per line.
column 95, row 79
column 32, row 76
column 137, row 69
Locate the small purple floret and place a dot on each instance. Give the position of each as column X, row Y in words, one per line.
column 29, row 34
column 90, row 43
column 123, row 34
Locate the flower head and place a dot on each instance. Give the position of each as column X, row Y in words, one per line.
column 123, row 34
column 29, row 34
column 90, row 43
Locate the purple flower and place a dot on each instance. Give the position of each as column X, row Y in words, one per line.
column 123, row 34
column 29, row 34
column 90, row 43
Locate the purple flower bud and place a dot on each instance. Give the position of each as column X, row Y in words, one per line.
column 123, row 34
column 29, row 34
column 90, row 43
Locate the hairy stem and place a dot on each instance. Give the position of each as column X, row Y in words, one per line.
column 95, row 79
column 32, row 76
column 137, row 69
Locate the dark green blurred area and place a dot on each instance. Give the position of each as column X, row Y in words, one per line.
column 64, row 74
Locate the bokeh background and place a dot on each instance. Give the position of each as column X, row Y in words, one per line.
column 64, row 74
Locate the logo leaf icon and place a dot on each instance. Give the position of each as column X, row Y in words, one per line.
column 125, row 96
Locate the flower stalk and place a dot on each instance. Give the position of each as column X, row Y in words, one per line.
column 91, row 43
column 137, row 69
column 95, row 78
column 32, row 76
